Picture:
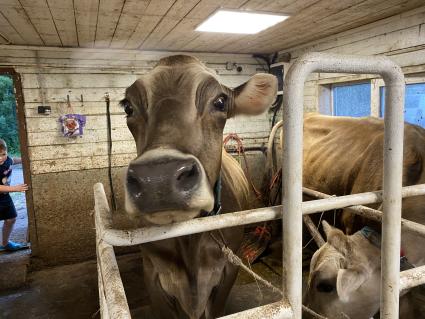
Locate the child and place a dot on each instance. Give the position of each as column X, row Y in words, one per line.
column 7, row 208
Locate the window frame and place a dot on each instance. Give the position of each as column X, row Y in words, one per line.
column 326, row 95
column 409, row 79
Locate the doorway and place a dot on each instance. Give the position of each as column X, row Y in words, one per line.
column 12, row 132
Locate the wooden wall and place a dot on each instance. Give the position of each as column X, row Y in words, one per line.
column 400, row 37
column 63, row 170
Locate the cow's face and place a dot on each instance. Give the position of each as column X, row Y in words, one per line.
column 176, row 114
column 344, row 279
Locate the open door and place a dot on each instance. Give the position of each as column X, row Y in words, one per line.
column 12, row 130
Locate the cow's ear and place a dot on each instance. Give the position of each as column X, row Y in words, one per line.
column 327, row 228
column 348, row 281
column 256, row 95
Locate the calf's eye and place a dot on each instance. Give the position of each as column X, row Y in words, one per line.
column 325, row 287
column 220, row 103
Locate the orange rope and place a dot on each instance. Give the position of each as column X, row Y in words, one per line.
column 240, row 149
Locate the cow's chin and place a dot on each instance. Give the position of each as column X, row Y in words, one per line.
column 167, row 217
column 195, row 208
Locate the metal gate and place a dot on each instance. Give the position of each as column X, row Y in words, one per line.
column 113, row 302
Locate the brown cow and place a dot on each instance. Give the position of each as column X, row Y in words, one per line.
column 344, row 156
column 176, row 114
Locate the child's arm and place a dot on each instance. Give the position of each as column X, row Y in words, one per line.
column 15, row 188
column 17, row 160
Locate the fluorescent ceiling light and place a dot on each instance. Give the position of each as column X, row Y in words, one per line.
column 228, row 21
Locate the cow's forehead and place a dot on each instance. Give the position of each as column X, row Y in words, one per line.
column 186, row 77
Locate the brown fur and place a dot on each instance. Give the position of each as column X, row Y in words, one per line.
column 174, row 118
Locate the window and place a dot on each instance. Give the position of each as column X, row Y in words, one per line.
column 349, row 99
column 414, row 105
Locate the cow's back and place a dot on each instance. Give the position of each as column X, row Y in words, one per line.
column 344, row 155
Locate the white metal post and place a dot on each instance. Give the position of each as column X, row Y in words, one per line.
column 292, row 168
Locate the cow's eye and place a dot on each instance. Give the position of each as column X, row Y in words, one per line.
column 128, row 108
column 325, row 287
column 220, row 103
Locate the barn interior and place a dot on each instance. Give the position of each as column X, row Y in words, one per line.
column 62, row 57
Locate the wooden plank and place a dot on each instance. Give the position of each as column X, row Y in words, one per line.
column 60, row 95
column 358, row 16
column 20, row 22
column 164, row 26
column 118, row 134
column 65, row 150
column 128, row 22
column 109, row 15
column 159, row 7
column 152, row 17
column 174, row 16
column 64, row 19
column 107, row 54
column 353, row 16
column 70, row 81
column 92, row 122
column 48, row 63
column 340, row 17
column 86, row 14
column 79, row 163
column 42, row 20
column 141, row 32
column 391, row 24
column 8, row 31
column 174, row 38
column 294, row 25
column 60, row 108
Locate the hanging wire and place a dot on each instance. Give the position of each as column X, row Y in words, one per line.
column 108, row 124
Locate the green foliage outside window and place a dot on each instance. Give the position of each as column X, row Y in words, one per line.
column 8, row 123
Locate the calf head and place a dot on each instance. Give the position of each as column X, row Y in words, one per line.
column 344, row 279
column 176, row 114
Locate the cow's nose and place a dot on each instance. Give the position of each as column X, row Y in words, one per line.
column 163, row 184
column 187, row 176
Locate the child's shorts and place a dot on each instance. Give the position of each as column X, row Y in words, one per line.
column 7, row 208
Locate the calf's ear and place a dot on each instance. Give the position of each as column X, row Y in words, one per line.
column 348, row 281
column 256, row 95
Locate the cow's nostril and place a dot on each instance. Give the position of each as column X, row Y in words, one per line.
column 187, row 177
column 133, row 184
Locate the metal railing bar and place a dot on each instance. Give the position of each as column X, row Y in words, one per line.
column 276, row 310
column 117, row 237
column 412, row 278
column 373, row 214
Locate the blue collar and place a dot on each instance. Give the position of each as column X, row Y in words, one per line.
column 372, row 236
column 217, row 199
column 375, row 239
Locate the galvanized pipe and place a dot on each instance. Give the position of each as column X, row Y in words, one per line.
column 376, row 215
column 292, row 168
column 129, row 237
column 412, row 278
column 313, row 231
column 137, row 236
column 277, row 310
column 113, row 301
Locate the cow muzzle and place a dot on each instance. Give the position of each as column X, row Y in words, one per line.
column 167, row 186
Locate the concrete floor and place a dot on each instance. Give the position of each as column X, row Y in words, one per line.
column 71, row 291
